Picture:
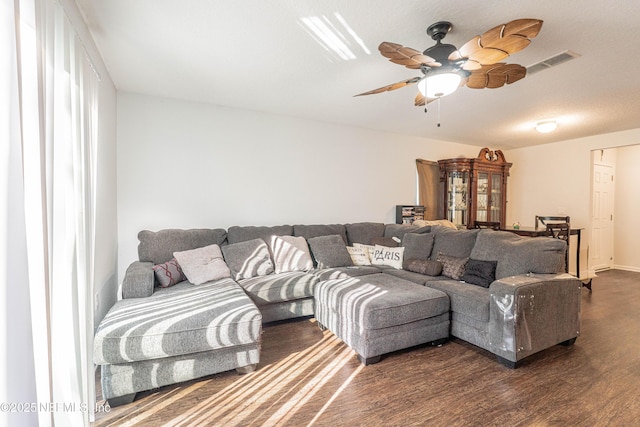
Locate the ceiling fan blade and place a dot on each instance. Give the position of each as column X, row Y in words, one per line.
column 499, row 42
column 421, row 101
column 528, row 28
column 496, row 75
column 392, row 86
column 406, row 56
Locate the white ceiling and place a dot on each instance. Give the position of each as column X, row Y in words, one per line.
column 256, row 54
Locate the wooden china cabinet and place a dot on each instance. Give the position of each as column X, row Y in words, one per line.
column 475, row 189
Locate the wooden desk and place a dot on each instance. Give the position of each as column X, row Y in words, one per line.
column 542, row 232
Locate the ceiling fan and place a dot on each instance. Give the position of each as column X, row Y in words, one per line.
column 476, row 64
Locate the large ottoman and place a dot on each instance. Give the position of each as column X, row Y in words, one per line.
column 380, row 313
column 177, row 334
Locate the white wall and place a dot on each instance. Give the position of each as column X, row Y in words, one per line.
column 188, row 165
column 106, row 255
column 556, row 178
column 626, row 250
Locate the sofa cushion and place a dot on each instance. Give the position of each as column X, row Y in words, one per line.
column 384, row 255
column 158, row 246
column 519, row 255
column 168, row 273
column 342, row 272
column 452, row 267
column 481, row 273
column 423, row 266
column 359, row 255
column 237, row 233
column 411, row 276
column 417, row 246
column 248, row 259
column 390, row 242
column 310, row 231
column 330, row 251
column 203, row 264
column 290, row 253
column 470, row 300
column 279, row 287
column 176, row 321
column 456, row 243
column 363, row 232
column 399, row 230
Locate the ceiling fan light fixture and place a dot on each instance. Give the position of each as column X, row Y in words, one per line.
column 546, row 126
column 439, row 85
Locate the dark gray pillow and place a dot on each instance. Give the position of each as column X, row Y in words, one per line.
column 248, row 259
column 423, row 266
column 330, row 251
column 417, row 246
column 481, row 273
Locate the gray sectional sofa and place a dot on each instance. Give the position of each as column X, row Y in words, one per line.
column 504, row 293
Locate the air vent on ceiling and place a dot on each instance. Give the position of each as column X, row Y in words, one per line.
column 558, row 59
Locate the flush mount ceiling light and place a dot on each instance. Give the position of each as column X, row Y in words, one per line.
column 546, row 126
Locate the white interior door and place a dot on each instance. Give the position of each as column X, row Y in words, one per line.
column 601, row 248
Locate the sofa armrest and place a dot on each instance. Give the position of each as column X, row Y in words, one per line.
column 532, row 312
column 138, row 280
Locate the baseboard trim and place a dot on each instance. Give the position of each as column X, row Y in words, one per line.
column 626, row 268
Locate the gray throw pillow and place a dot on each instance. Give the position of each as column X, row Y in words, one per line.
column 330, row 251
column 248, row 259
column 203, row 264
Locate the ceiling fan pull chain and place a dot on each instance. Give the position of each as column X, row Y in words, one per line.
column 439, row 111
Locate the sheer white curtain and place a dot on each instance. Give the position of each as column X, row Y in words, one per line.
column 17, row 376
column 57, row 97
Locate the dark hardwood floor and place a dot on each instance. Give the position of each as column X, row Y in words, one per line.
column 307, row 377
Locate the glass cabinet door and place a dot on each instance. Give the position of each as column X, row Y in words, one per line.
column 482, row 200
column 496, row 197
column 457, row 197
